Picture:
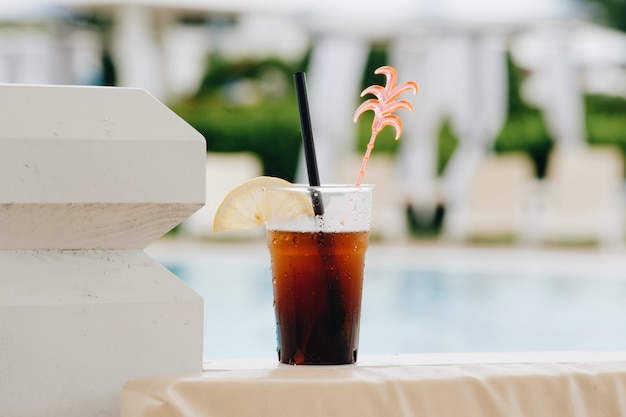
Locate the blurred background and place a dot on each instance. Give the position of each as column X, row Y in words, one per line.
column 512, row 161
column 519, row 129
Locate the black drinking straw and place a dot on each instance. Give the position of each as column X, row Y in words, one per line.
column 307, row 141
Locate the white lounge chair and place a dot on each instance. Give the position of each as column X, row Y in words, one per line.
column 494, row 205
column 224, row 171
column 583, row 197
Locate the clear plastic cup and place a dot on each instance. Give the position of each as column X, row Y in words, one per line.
column 317, row 275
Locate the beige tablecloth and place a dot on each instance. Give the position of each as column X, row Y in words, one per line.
column 430, row 385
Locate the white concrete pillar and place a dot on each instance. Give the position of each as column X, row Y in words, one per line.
column 416, row 58
column 137, row 50
column 90, row 176
column 564, row 105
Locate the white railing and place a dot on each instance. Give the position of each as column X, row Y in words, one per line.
column 89, row 176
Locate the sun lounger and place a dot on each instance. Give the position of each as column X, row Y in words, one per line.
column 493, row 206
column 582, row 197
column 224, row 171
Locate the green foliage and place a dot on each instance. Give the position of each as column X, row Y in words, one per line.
column 515, row 103
column 609, row 12
column 377, row 58
column 524, row 130
column 600, row 104
column 446, row 145
column 385, row 141
column 269, row 127
column 270, row 130
column 606, row 121
column 223, row 72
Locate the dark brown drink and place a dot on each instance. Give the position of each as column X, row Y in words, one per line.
column 318, row 283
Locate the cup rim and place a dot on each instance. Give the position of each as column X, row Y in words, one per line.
column 328, row 187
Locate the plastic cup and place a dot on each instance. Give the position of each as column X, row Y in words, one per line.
column 317, row 275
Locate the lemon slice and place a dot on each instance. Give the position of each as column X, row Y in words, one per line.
column 252, row 203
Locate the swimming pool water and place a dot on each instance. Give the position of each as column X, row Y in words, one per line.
column 418, row 300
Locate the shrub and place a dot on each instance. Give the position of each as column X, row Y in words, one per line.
column 606, row 120
column 270, row 130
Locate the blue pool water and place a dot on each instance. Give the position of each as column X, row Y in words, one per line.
column 426, row 300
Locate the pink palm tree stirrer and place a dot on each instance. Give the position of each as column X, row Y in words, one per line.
column 383, row 106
